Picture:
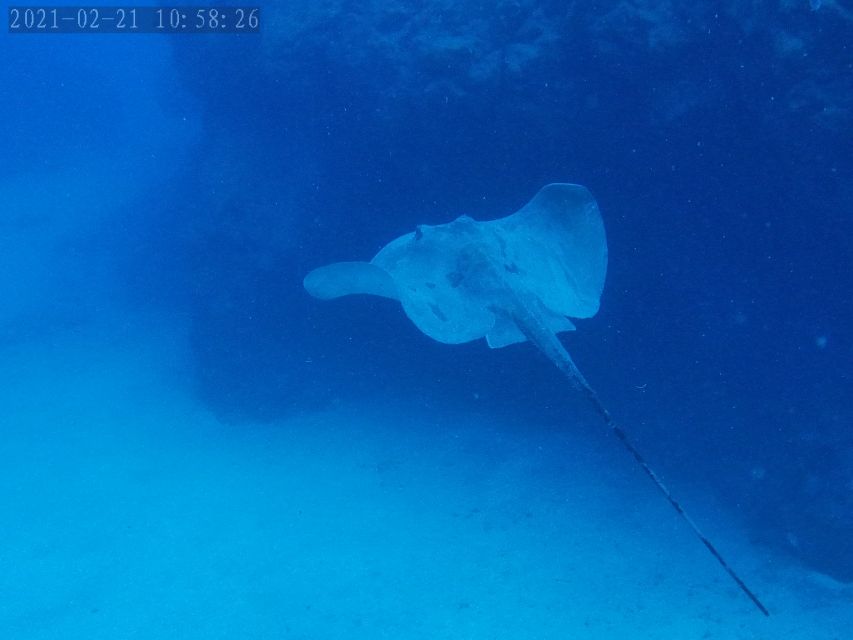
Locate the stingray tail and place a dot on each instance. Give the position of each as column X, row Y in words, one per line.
column 548, row 342
column 623, row 438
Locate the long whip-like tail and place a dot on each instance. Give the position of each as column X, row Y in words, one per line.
column 551, row 346
column 623, row 438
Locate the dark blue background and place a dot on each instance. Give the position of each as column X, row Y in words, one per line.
column 715, row 138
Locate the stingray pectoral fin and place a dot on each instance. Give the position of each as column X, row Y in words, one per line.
column 349, row 278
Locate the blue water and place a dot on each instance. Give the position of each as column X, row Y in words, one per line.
column 194, row 447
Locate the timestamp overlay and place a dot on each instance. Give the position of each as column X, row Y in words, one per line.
column 87, row 19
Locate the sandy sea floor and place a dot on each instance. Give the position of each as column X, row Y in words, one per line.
column 129, row 511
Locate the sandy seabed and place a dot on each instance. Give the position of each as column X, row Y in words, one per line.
column 130, row 511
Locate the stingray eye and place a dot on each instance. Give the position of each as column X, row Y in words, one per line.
column 419, row 232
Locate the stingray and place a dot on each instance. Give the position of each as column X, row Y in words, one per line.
column 515, row 279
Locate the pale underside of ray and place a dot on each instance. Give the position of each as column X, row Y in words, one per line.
column 508, row 280
column 466, row 279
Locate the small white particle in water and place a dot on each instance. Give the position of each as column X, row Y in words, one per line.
column 821, row 342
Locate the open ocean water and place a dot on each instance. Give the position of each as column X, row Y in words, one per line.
column 195, row 447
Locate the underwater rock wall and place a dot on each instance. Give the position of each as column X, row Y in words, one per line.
column 713, row 135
